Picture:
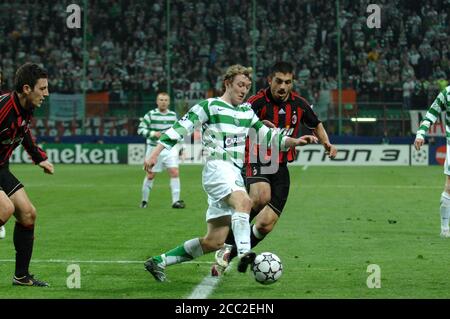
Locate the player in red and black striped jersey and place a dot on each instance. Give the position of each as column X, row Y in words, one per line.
column 16, row 112
column 267, row 176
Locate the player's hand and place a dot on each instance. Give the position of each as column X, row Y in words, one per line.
column 47, row 166
column 149, row 163
column 157, row 134
column 268, row 124
column 306, row 139
column 418, row 142
column 330, row 150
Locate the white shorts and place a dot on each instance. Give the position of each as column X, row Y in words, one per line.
column 447, row 156
column 167, row 159
column 219, row 179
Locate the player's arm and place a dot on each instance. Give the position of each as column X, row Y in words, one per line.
column 144, row 128
column 266, row 136
column 322, row 135
column 198, row 114
column 153, row 158
column 37, row 154
column 432, row 115
column 300, row 141
column 311, row 121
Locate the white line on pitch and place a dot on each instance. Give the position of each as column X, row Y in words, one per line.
column 64, row 261
column 207, row 286
column 304, row 168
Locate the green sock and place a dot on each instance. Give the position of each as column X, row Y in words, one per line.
column 174, row 256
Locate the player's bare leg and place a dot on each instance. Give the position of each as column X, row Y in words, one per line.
column 25, row 214
column 215, row 237
column 259, row 195
column 6, row 211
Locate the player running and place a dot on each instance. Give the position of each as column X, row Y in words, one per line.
column 267, row 177
column 226, row 123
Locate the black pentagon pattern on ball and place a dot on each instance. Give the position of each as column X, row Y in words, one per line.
column 269, row 267
column 267, row 257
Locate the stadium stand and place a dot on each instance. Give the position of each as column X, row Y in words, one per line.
column 406, row 61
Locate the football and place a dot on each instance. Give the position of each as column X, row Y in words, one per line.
column 267, row 268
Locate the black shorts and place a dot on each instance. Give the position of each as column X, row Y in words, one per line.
column 279, row 184
column 8, row 182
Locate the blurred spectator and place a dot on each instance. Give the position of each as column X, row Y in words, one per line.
column 127, row 44
column 408, row 89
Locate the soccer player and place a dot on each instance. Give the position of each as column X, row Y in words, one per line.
column 152, row 126
column 226, row 123
column 440, row 105
column 280, row 107
column 16, row 112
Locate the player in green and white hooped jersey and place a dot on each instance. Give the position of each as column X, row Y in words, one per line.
column 153, row 124
column 225, row 125
column 440, row 105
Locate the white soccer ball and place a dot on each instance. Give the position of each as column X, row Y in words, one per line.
column 267, row 268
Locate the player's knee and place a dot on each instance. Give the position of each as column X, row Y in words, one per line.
column 265, row 228
column 246, row 204
column 6, row 210
column 447, row 189
column 151, row 176
column 445, row 199
column 29, row 216
column 261, row 200
column 209, row 244
column 174, row 173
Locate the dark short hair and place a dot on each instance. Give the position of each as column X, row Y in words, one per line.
column 28, row 73
column 281, row 67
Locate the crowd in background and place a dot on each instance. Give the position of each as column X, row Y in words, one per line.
column 405, row 60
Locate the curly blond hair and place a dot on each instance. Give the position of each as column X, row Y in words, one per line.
column 234, row 70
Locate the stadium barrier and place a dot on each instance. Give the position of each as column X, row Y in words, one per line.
column 133, row 154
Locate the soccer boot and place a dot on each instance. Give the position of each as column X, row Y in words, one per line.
column 179, row 204
column 245, row 260
column 157, row 271
column 2, row 232
column 222, row 260
column 28, row 280
column 445, row 233
column 143, row 204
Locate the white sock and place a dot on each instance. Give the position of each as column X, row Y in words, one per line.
column 241, row 230
column 257, row 234
column 445, row 210
column 190, row 249
column 193, row 247
column 175, row 186
column 146, row 188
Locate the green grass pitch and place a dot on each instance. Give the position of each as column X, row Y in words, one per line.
column 338, row 220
